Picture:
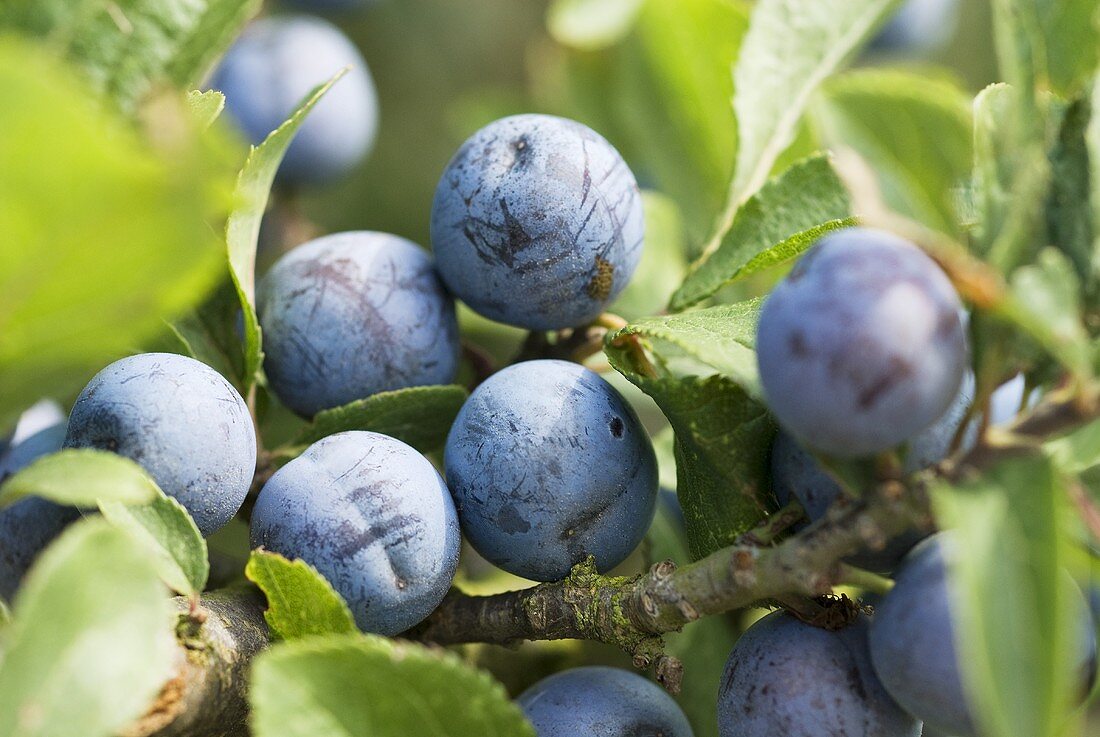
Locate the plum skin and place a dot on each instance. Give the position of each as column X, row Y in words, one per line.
column 598, row 701
column 30, row 524
column 178, row 419
column 913, row 646
column 374, row 517
column 548, row 464
column 537, row 222
column 352, row 314
column 785, row 678
column 861, row 346
column 268, row 72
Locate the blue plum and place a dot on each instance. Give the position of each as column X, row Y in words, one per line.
column 537, row 222
column 1008, row 400
column 178, row 419
column 43, row 414
column 374, row 517
column 919, row 26
column 861, row 346
column 785, row 678
column 548, row 464
column 933, row 444
column 30, row 524
column 913, row 638
column 352, row 314
column 268, row 72
column 597, row 701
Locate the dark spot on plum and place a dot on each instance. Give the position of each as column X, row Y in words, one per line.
column 510, row 521
column 641, row 729
column 898, row 372
column 946, row 324
column 522, row 152
column 516, row 237
column 857, row 683
column 617, row 427
column 797, row 345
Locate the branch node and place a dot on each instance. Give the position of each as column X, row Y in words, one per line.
column 743, row 563
column 687, row 609
column 870, row 533
column 661, row 571
column 669, row 672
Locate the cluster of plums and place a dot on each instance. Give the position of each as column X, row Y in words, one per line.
column 537, row 222
column 861, row 349
column 546, row 464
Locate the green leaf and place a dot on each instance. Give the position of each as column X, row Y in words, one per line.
column 1007, row 579
column 86, row 277
column 1078, row 451
column 1045, row 302
column 702, row 363
column 663, row 261
column 366, row 686
column 722, row 442
column 722, row 338
column 1016, row 125
column 91, row 642
column 992, row 160
column 661, row 96
column 127, row 48
column 242, row 231
column 167, row 532
column 81, row 478
column 420, row 416
column 1071, row 40
column 1092, row 145
column 792, row 46
column 209, row 333
column 300, row 602
column 591, row 25
column 1069, row 218
column 205, row 106
column 778, row 223
column 915, row 131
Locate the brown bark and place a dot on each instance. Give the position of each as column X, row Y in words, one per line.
column 208, row 695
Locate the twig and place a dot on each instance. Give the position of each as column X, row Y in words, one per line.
column 631, row 613
column 574, row 344
column 207, row 694
column 481, row 362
